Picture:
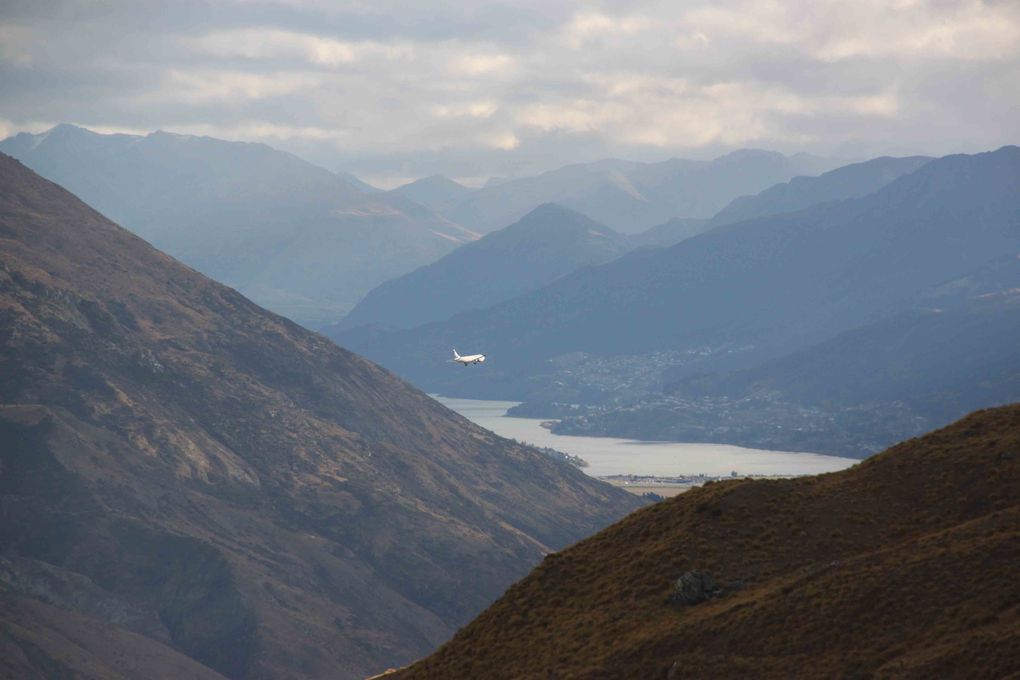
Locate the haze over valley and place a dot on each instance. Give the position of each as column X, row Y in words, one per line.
column 518, row 340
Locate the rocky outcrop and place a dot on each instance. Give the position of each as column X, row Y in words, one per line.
column 694, row 587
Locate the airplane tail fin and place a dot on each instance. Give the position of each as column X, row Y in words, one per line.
column 455, row 355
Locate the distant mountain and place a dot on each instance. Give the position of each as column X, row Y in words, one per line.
column 670, row 233
column 436, row 192
column 357, row 182
column 743, row 293
column 189, row 479
column 851, row 395
column 291, row 235
column 902, row 566
column 547, row 243
column 631, row 197
column 850, row 181
column 944, row 361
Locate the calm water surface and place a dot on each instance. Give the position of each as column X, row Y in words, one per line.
column 610, row 456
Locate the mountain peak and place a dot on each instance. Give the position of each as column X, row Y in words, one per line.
column 68, row 128
column 441, row 180
column 553, row 209
column 437, row 192
column 64, row 133
column 549, row 220
column 547, row 243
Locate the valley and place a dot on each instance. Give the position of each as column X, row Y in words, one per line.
column 610, row 456
column 510, row 340
column 880, row 306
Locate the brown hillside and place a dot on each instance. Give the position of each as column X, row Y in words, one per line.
column 178, row 463
column 904, row 566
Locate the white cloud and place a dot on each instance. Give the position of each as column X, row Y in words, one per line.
column 16, row 43
column 500, row 87
column 269, row 43
column 505, row 140
column 480, row 64
column 9, row 127
column 588, row 26
column 975, row 32
column 476, row 109
column 832, row 30
column 210, row 86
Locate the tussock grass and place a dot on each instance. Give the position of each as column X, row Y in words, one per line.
column 904, row 566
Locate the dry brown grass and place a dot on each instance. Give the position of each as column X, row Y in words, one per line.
column 904, row 566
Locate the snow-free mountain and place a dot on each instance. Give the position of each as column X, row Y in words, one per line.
column 547, row 243
column 630, row 196
column 901, row 567
column 849, row 181
column 737, row 295
column 193, row 486
column 293, row 236
column 436, row 192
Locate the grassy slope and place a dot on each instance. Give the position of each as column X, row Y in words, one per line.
column 903, row 566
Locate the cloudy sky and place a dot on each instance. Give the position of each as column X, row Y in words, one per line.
column 393, row 89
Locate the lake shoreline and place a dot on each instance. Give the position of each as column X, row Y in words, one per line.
column 610, row 457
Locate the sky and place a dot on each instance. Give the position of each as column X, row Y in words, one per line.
column 393, row 90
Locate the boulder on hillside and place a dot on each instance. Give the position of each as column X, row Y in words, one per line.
column 694, row 587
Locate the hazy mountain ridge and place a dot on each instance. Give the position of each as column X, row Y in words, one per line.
column 849, row 181
column 547, row 243
column 838, row 575
column 956, row 348
column 436, row 192
column 282, row 507
column 783, row 406
column 357, row 182
column 743, row 293
column 295, row 237
column 670, row 233
column 629, row 196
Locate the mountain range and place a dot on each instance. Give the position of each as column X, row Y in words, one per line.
column 851, row 395
column 552, row 241
column 194, row 486
column 901, row 567
column 547, row 243
column 436, row 192
column 294, row 237
column 631, row 197
column 849, row 181
column 741, row 294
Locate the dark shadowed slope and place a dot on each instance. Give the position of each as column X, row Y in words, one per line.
column 629, row 196
column 181, row 464
column 290, row 235
column 901, row 567
column 746, row 292
column 850, row 181
column 547, row 243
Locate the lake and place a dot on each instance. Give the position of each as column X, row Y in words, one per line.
column 610, row 456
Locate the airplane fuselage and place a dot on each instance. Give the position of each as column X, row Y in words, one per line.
column 469, row 359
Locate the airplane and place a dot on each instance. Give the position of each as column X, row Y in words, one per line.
column 468, row 360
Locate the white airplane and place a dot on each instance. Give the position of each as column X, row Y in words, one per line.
column 468, row 360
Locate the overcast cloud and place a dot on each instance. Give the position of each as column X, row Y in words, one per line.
column 393, row 90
